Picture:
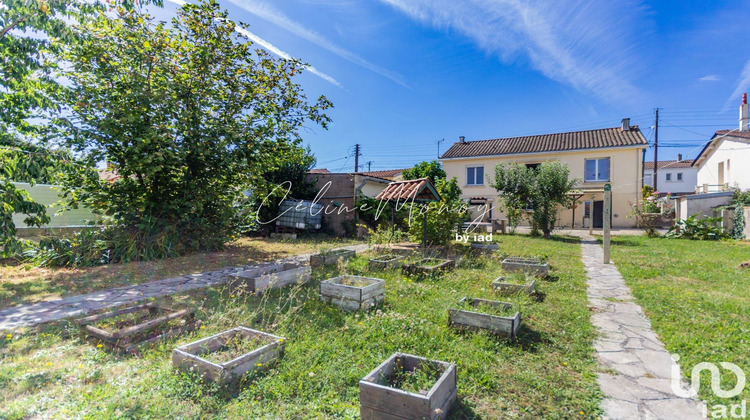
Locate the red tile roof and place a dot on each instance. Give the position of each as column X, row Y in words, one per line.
column 576, row 140
column 733, row 133
column 671, row 164
column 385, row 174
column 319, row 171
column 413, row 189
column 719, row 135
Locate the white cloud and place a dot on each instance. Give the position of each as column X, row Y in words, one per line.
column 743, row 84
column 710, row 78
column 267, row 12
column 591, row 46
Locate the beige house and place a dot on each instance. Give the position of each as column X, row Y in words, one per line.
column 596, row 157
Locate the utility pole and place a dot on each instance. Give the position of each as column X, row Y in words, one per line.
column 356, row 157
column 656, row 149
column 368, row 163
column 438, row 144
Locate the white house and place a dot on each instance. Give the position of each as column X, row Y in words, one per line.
column 676, row 177
column 722, row 164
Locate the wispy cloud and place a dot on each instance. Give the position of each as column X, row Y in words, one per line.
column 268, row 13
column 743, row 84
column 273, row 49
column 592, row 46
column 710, row 78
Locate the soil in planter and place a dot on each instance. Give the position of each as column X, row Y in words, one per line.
column 235, row 347
column 353, row 281
column 484, row 308
column 419, row 380
column 135, row 318
column 430, row 263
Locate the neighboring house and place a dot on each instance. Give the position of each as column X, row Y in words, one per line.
column 338, row 194
column 722, row 163
column 392, row 174
column 50, row 197
column 676, row 177
column 596, row 157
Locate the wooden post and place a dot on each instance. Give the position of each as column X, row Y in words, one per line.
column 424, row 231
column 607, row 220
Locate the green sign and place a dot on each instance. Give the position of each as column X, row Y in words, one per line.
column 607, row 187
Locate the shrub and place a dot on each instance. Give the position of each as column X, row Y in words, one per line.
column 703, row 229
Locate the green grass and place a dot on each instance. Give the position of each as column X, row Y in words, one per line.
column 548, row 371
column 697, row 298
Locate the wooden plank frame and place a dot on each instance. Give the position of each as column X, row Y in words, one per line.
column 526, row 265
column 259, row 279
column 418, row 267
column 332, row 257
column 187, row 357
column 470, row 320
column 487, row 247
column 385, row 262
column 353, row 298
column 132, row 338
column 377, row 400
column 500, row 286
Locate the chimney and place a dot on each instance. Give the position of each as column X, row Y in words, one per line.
column 626, row 124
column 744, row 114
column 462, row 139
column 679, row 157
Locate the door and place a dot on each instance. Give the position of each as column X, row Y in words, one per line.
column 598, row 215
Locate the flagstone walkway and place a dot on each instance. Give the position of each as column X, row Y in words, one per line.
column 637, row 383
column 53, row 310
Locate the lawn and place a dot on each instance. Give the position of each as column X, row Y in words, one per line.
column 27, row 284
column 697, row 298
column 548, row 371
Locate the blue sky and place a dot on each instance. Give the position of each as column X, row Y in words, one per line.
column 404, row 74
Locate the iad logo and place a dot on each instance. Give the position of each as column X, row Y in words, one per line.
column 715, row 379
column 738, row 411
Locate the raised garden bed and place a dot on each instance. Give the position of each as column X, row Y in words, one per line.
column 408, row 387
column 527, row 265
column 126, row 330
column 353, row 292
column 484, row 246
column 226, row 357
column 331, row 257
column 258, row 279
column 496, row 317
column 385, row 261
column 428, row 266
column 507, row 285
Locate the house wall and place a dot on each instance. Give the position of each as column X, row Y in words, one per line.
column 47, row 195
column 687, row 185
column 625, row 176
column 734, row 154
column 702, row 205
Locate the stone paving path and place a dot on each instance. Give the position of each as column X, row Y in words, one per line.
column 637, row 382
column 53, row 310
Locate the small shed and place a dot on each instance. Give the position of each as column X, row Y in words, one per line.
column 415, row 190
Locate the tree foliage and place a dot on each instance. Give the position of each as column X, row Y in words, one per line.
column 544, row 189
column 427, row 169
column 187, row 114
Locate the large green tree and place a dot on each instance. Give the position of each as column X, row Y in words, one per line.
column 189, row 115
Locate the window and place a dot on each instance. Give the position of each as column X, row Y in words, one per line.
column 475, row 175
column 587, row 209
column 679, row 176
column 669, row 177
column 597, row 170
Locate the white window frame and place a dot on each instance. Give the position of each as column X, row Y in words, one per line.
column 608, row 159
column 475, row 183
column 668, row 176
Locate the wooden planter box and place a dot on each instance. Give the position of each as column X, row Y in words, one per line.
column 385, row 261
column 258, row 279
column 484, row 246
column 526, row 265
column 469, row 320
column 428, row 266
column 149, row 326
column 378, row 400
column 511, row 288
column 188, row 358
column 353, row 297
column 331, row 257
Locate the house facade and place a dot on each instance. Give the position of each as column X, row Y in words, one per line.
column 721, row 164
column 676, row 177
column 595, row 157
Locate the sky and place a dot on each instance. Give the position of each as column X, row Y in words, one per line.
column 408, row 77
